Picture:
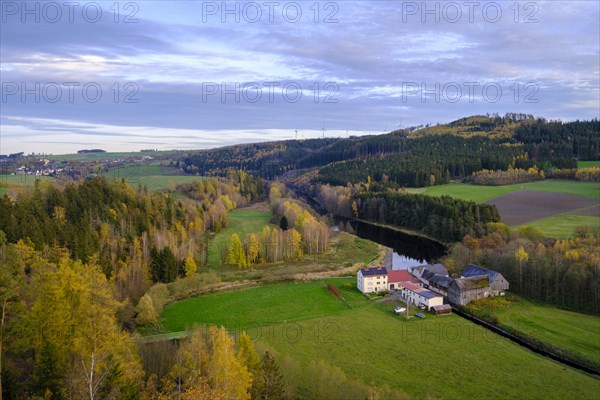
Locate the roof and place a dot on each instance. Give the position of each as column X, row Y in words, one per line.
column 401, row 275
column 473, row 282
column 419, row 290
column 476, row 270
column 441, row 280
column 433, row 268
column 373, row 271
column 442, row 307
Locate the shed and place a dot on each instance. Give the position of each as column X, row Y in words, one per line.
column 441, row 309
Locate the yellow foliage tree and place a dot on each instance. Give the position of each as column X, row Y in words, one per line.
column 190, row 266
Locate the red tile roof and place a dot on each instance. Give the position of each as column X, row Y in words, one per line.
column 401, row 275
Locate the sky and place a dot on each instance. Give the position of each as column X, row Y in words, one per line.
column 131, row 75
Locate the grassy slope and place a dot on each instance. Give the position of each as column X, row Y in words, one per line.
column 480, row 193
column 241, row 222
column 438, row 357
column 575, row 332
column 563, row 225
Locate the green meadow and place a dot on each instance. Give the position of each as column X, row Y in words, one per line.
column 442, row 357
column 481, row 193
column 577, row 333
column 563, row 225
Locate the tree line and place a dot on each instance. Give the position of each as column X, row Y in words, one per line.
column 443, row 218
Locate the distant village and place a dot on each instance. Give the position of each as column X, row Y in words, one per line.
column 430, row 287
column 42, row 166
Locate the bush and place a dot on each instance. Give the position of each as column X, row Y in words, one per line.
column 333, row 290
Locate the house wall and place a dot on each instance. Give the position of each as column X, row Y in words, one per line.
column 417, row 299
column 367, row 284
column 499, row 286
column 456, row 296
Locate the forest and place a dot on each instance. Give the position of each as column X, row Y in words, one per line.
column 444, row 218
column 428, row 161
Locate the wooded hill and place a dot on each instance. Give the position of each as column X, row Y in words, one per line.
column 411, row 158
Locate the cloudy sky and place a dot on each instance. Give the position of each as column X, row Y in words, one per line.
column 154, row 74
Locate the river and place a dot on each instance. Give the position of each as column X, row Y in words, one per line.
column 408, row 250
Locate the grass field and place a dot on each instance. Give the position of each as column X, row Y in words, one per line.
column 560, row 225
column 563, row 225
column 574, row 332
column 584, row 164
column 153, row 176
column 260, row 306
column 22, row 179
column 481, row 193
column 442, row 357
column 241, row 222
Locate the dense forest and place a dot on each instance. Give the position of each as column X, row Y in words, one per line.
column 428, row 161
column 444, row 218
column 561, row 143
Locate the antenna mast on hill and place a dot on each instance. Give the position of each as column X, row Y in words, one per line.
column 296, row 134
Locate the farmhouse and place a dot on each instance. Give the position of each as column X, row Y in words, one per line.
column 498, row 284
column 421, row 297
column 465, row 290
column 476, row 283
column 372, row 280
column 398, row 277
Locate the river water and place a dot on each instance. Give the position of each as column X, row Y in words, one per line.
column 409, row 250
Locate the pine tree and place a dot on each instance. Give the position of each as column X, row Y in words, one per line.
column 283, row 223
column 272, row 380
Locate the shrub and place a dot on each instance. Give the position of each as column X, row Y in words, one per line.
column 333, row 290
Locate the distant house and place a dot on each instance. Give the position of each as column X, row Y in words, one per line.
column 421, row 297
column 372, row 280
column 397, row 278
column 476, row 283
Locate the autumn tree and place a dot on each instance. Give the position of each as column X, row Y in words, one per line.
column 250, row 359
column 236, row 256
column 190, row 266
column 146, row 312
column 226, row 371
